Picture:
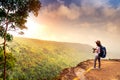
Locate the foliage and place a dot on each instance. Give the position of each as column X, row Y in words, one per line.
column 13, row 15
column 17, row 11
column 9, row 37
column 43, row 60
column 10, row 62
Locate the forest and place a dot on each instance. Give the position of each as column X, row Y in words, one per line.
column 32, row 59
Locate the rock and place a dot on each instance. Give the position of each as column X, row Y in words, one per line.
column 84, row 71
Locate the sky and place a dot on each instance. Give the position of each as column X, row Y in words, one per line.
column 77, row 21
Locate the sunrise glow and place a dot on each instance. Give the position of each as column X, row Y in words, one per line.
column 34, row 29
column 77, row 21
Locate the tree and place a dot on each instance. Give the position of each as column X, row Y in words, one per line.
column 10, row 63
column 13, row 15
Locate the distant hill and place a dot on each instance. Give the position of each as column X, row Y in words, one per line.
column 39, row 59
column 84, row 71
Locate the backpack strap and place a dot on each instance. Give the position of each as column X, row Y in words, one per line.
column 101, row 51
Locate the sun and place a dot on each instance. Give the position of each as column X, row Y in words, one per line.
column 34, row 30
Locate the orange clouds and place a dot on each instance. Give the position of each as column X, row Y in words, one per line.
column 71, row 13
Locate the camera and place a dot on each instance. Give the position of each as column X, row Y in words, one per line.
column 93, row 50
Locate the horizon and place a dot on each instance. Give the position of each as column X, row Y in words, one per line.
column 77, row 21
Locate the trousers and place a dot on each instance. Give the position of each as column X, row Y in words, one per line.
column 97, row 58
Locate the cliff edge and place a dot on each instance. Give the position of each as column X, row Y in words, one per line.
column 110, row 70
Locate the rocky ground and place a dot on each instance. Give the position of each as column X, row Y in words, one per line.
column 110, row 70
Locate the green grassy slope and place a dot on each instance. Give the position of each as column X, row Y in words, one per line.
column 38, row 59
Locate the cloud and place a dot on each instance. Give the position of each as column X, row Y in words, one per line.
column 71, row 12
column 61, row 1
column 94, row 13
column 94, row 3
column 95, row 16
column 64, row 12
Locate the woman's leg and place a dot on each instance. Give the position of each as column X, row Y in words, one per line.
column 96, row 57
column 99, row 62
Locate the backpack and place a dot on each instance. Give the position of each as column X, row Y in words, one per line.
column 102, row 52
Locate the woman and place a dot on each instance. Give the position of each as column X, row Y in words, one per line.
column 97, row 52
